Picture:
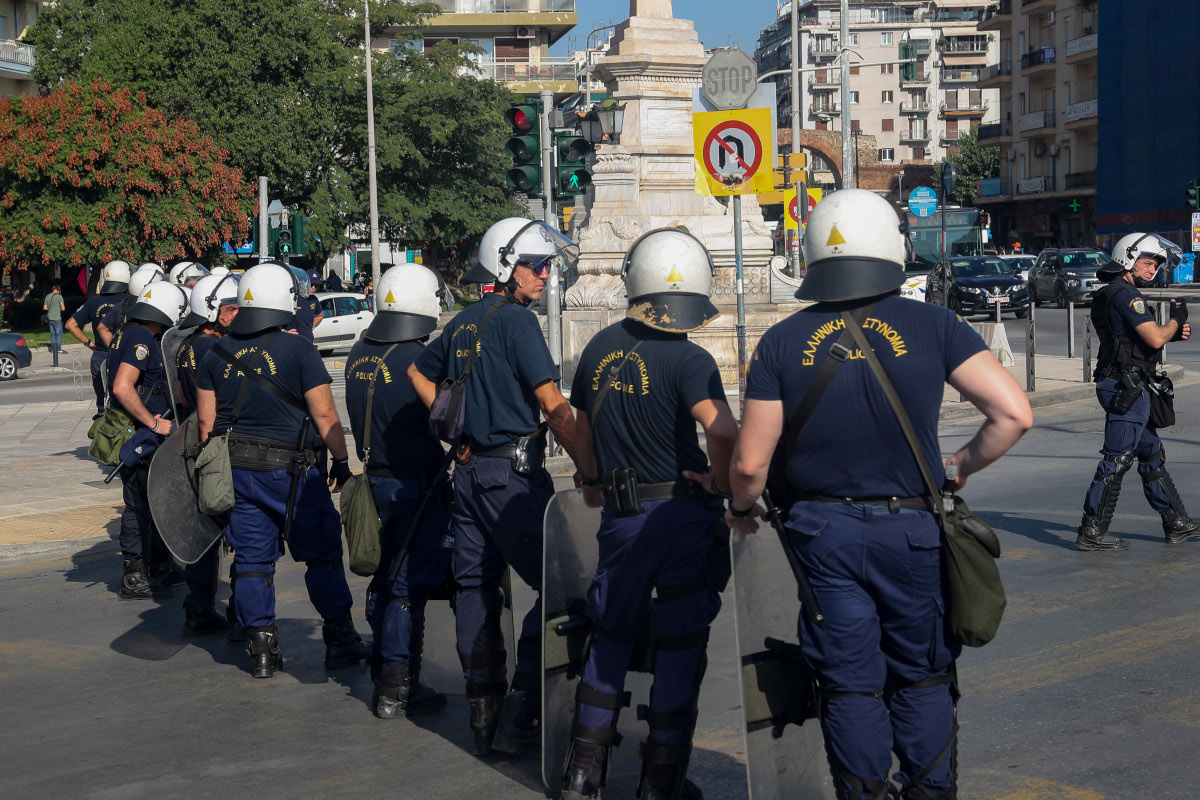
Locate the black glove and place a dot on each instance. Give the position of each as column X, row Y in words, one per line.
column 339, row 473
column 1179, row 311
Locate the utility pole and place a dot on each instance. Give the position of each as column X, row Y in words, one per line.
column 547, row 161
column 847, row 125
column 373, row 188
column 802, row 202
column 264, row 232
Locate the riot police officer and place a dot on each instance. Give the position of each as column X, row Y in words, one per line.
column 114, row 281
column 500, row 486
column 274, row 455
column 114, row 318
column 402, row 461
column 186, row 274
column 1131, row 345
column 139, row 389
column 212, row 308
column 862, row 523
column 640, row 389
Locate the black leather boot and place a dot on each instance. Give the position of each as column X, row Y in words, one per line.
column 423, row 698
column 263, row 646
column 1179, row 527
column 520, row 726
column 391, row 692
column 586, row 767
column 485, row 712
column 166, row 573
column 343, row 646
column 1093, row 535
column 199, row 621
column 135, row 585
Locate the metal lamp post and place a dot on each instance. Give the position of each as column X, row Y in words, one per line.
column 373, row 188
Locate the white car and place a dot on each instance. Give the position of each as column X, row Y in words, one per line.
column 916, row 275
column 1020, row 264
column 346, row 318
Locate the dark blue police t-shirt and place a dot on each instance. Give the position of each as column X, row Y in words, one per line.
column 194, row 349
column 852, row 445
column 93, row 311
column 645, row 421
column 284, row 359
column 1126, row 310
column 307, row 309
column 114, row 318
column 136, row 346
column 400, row 437
column 512, row 360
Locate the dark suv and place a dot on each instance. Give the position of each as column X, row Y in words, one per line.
column 1066, row 275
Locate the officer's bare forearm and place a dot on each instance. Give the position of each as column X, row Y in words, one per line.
column 425, row 388
column 103, row 334
column 585, row 456
column 325, row 418
column 994, row 391
column 1157, row 335
column 206, row 411
column 558, row 414
column 720, row 432
column 72, row 327
column 125, row 390
column 762, row 424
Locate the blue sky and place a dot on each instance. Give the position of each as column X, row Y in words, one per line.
column 719, row 23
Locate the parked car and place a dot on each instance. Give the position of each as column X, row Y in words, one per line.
column 1020, row 264
column 976, row 285
column 14, row 353
column 346, row 318
column 916, row 273
column 1066, row 275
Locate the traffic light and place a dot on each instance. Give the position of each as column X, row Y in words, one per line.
column 571, row 176
column 283, row 243
column 1193, row 194
column 908, row 72
column 525, row 147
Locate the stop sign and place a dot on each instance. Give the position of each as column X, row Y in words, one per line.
column 729, row 79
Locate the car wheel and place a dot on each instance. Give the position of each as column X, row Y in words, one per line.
column 325, row 353
column 955, row 304
column 8, row 366
column 1060, row 296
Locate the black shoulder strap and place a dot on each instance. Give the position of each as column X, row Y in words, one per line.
column 889, row 389
column 258, row 380
column 371, row 405
column 477, row 345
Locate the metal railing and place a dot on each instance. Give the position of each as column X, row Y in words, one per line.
column 1082, row 44
column 964, row 44
column 918, row 79
column 506, row 6
column 504, row 71
column 829, row 81
column 1001, row 9
column 960, row 75
column 914, row 107
column 1037, row 119
column 964, row 107
column 995, row 187
column 993, row 130
column 1078, row 180
column 915, row 135
column 825, row 108
column 1036, row 58
column 1082, row 110
column 16, row 53
column 822, row 48
column 996, row 70
column 950, row 136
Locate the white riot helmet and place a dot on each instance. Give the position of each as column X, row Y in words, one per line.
column 186, row 271
column 1130, row 248
column 410, row 304
column 855, row 246
column 114, row 278
column 668, row 279
column 266, row 298
column 515, row 240
column 143, row 277
column 160, row 302
column 220, row 271
column 207, row 297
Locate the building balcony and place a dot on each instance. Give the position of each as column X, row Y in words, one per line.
column 963, row 108
column 506, row 6
column 820, row 49
column 820, row 83
column 525, row 77
column 914, row 107
column 920, row 81
column 824, row 108
column 1082, row 49
column 950, row 75
column 921, row 47
column 1042, row 183
column 995, row 132
column 1083, row 114
column 1036, row 121
column 915, row 135
column 1038, row 6
column 949, row 137
column 996, row 75
column 16, row 60
column 995, row 187
column 503, row 18
column 964, row 45
column 1080, row 180
column 1035, row 62
column 997, row 16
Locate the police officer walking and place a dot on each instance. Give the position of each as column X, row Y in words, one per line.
column 862, row 523
column 139, row 388
column 264, row 405
column 114, row 281
column 1131, row 345
column 640, row 389
column 500, row 486
column 212, row 308
column 401, row 460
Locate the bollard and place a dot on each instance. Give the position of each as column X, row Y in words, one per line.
column 1087, row 350
column 997, row 313
column 53, row 355
column 1070, row 329
column 1031, row 350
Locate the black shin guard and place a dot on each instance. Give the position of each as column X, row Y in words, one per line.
column 1093, row 531
column 585, row 771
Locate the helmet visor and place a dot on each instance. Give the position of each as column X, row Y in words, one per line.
column 303, row 281
column 539, row 246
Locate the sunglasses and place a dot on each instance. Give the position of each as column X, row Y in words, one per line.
column 539, row 270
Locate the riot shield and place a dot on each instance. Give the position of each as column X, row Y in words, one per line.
column 187, row 533
column 171, row 344
column 569, row 560
column 785, row 750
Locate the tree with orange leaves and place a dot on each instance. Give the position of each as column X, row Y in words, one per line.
column 89, row 174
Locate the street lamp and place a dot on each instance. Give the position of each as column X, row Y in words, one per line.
column 604, row 120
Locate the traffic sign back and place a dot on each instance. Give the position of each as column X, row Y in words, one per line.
column 729, row 79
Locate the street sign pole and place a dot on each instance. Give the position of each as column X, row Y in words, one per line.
column 794, row 252
column 264, row 224
column 372, row 186
column 847, row 124
column 740, row 289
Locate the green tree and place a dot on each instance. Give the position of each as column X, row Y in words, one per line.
column 972, row 163
column 89, row 174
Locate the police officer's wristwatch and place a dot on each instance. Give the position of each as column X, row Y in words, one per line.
column 739, row 514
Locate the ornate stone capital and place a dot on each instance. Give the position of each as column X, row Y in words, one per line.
column 597, row 291
column 613, row 159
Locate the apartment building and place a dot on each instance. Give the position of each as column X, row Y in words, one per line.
column 913, row 119
column 1048, row 125
column 16, row 59
column 515, row 36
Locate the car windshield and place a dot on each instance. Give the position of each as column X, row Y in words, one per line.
column 1025, row 262
column 981, row 268
column 1093, row 260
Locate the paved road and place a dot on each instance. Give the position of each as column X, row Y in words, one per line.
column 1089, row 692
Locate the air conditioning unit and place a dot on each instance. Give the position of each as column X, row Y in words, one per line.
column 526, row 32
column 1039, row 150
column 1088, row 20
column 1055, row 150
column 1011, row 155
column 1050, row 18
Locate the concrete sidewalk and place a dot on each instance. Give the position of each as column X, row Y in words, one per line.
column 55, row 496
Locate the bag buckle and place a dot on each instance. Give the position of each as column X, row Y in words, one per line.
column 839, row 352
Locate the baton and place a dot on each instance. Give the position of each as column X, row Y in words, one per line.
column 169, row 414
column 290, row 511
column 807, row 596
column 394, row 569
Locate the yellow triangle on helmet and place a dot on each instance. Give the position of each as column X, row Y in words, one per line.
column 835, row 237
column 675, row 277
column 147, row 294
column 389, row 298
column 248, row 296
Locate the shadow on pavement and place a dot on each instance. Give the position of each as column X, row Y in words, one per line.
column 99, row 562
column 1053, row 533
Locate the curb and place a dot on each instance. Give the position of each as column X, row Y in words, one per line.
column 37, row 548
column 46, row 371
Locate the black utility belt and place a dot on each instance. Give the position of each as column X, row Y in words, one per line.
column 267, row 455
column 893, row 504
column 624, row 494
column 1116, row 373
column 528, row 453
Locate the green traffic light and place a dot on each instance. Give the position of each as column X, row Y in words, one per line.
column 1193, row 194
column 572, row 181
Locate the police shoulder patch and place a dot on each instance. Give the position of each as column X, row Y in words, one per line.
column 141, row 351
column 1139, row 305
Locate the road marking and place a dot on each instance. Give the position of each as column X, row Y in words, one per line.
column 1051, row 599
column 1037, row 788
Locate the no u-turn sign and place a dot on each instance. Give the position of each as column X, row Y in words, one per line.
column 734, row 151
